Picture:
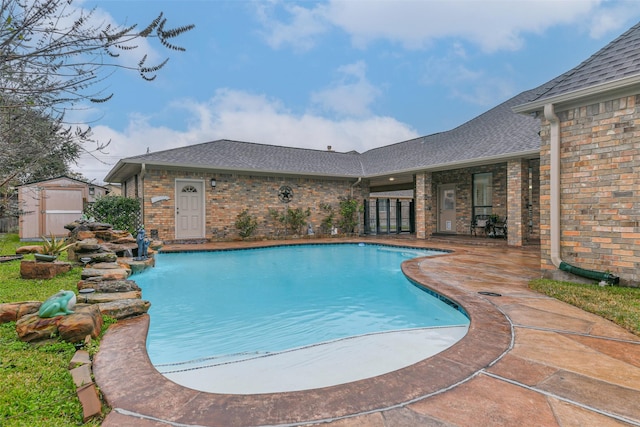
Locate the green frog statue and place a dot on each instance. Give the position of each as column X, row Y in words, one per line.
column 58, row 305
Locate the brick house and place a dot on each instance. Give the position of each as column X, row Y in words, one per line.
column 475, row 167
column 558, row 161
column 590, row 162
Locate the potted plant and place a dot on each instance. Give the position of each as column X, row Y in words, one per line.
column 51, row 248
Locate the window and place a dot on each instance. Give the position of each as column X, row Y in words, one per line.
column 189, row 189
column 482, row 193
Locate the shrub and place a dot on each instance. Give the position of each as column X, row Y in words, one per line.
column 349, row 209
column 293, row 220
column 246, row 224
column 123, row 213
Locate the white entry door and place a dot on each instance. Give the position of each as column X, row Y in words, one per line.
column 189, row 209
column 447, row 208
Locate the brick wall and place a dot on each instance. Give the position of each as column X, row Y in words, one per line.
column 234, row 193
column 600, row 203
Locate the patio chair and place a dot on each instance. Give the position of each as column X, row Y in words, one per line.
column 480, row 223
column 499, row 228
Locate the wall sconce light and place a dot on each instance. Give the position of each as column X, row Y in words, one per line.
column 213, row 183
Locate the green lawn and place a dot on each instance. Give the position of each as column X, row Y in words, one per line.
column 621, row 305
column 37, row 389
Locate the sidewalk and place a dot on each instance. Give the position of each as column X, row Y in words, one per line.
column 528, row 360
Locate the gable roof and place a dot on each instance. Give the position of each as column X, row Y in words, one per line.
column 494, row 135
column 614, row 67
column 61, row 177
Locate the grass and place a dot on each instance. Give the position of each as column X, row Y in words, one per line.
column 37, row 389
column 621, row 305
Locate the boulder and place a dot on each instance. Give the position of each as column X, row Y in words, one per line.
column 108, row 286
column 43, row 270
column 12, row 311
column 87, row 245
column 112, row 235
column 29, row 249
column 87, row 320
column 99, row 297
column 96, row 226
column 33, row 328
column 138, row 266
column 123, row 309
column 111, row 274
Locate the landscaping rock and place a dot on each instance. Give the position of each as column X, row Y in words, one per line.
column 107, row 286
column 113, row 274
column 43, row 270
column 124, row 308
column 11, row 312
column 112, row 235
column 88, row 245
column 103, row 297
column 96, row 226
column 87, row 320
column 138, row 266
column 29, row 249
column 33, row 328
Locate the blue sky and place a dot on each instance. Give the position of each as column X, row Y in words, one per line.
column 353, row 74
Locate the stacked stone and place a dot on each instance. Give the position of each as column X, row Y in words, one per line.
column 104, row 288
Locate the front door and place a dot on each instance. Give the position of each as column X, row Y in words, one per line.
column 189, row 209
column 447, row 211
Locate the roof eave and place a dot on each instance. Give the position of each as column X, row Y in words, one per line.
column 611, row 89
column 224, row 169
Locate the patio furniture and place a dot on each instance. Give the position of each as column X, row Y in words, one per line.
column 480, row 223
column 497, row 227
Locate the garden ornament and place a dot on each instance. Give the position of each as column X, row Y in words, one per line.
column 58, row 304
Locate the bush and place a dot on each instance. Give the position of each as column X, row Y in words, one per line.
column 294, row 219
column 246, row 224
column 349, row 209
column 123, row 213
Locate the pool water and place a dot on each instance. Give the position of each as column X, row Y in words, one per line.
column 243, row 303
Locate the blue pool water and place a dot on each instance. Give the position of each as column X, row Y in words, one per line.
column 257, row 301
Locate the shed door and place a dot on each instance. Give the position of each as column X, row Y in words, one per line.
column 447, row 211
column 189, row 209
column 59, row 207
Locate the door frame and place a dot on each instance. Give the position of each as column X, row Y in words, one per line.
column 441, row 189
column 178, row 184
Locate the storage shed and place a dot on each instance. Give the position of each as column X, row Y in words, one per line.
column 49, row 205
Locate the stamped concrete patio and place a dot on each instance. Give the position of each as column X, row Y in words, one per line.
column 527, row 360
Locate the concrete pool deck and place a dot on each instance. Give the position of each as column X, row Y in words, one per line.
column 527, row 360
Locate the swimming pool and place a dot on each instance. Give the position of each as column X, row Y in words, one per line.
column 232, row 309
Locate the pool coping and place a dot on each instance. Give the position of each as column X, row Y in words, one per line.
column 136, row 389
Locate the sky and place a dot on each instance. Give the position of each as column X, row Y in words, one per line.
column 353, row 75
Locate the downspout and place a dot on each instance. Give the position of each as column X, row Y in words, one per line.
column 359, row 216
column 554, row 136
column 354, row 184
column 143, row 172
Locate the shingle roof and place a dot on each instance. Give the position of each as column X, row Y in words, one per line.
column 617, row 60
column 497, row 133
column 235, row 155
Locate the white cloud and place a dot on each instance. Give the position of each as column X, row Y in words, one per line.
column 492, row 25
column 351, row 95
column 301, row 30
column 242, row 116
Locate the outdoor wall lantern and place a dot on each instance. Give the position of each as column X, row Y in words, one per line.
column 213, row 183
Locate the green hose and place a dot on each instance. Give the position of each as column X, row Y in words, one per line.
column 591, row 274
